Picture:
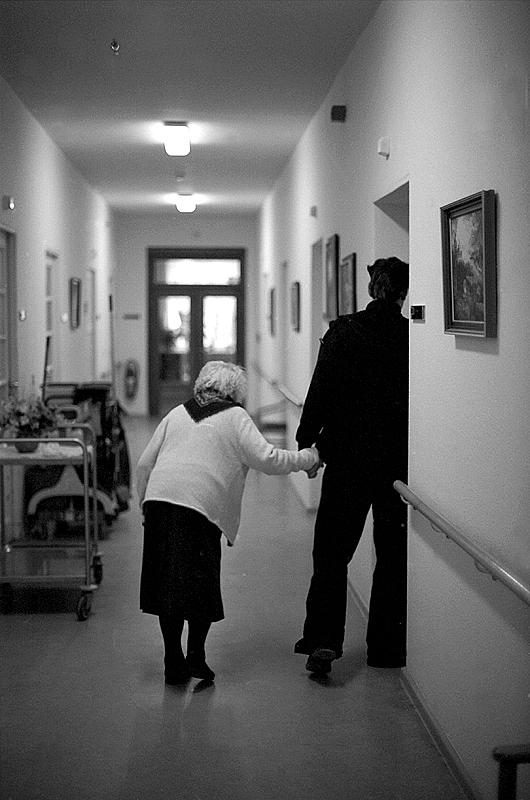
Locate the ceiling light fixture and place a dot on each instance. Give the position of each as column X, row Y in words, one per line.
column 186, row 203
column 176, row 138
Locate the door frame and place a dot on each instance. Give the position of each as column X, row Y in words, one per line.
column 51, row 258
column 89, row 316
column 195, row 291
column 11, row 275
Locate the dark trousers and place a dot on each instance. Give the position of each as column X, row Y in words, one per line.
column 344, row 504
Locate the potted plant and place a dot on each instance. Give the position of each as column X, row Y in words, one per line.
column 26, row 418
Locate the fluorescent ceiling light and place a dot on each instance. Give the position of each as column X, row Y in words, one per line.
column 186, row 203
column 176, row 138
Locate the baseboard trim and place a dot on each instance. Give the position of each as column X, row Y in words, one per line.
column 440, row 740
column 453, row 761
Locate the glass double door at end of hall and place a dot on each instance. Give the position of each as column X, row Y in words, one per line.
column 194, row 327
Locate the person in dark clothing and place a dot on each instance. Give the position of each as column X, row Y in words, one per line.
column 356, row 414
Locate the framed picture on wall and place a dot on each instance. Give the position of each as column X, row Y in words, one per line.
column 469, row 265
column 75, row 302
column 295, row 305
column 347, row 285
column 272, row 311
column 331, row 292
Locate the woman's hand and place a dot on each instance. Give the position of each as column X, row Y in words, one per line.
column 313, row 471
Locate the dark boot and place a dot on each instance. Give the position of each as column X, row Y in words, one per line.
column 176, row 670
column 196, row 657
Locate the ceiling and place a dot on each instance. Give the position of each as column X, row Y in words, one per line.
column 247, row 76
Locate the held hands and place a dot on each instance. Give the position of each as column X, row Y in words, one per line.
column 313, row 471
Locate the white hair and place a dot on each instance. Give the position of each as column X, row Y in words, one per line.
column 221, row 380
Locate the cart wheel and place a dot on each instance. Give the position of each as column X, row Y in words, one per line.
column 83, row 607
column 6, row 598
column 97, row 568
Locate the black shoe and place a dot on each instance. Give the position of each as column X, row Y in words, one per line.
column 177, row 677
column 320, row 660
column 199, row 668
column 303, row 647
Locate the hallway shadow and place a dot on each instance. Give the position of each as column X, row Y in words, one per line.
column 29, row 599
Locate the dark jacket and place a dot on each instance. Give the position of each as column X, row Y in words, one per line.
column 357, row 402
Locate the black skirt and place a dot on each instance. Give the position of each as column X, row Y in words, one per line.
column 181, row 565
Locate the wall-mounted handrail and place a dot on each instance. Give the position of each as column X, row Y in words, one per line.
column 279, row 387
column 483, row 561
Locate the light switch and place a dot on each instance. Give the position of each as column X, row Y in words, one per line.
column 417, row 313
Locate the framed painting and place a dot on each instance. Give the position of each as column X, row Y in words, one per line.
column 332, row 261
column 295, row 305
column 469, row 265
column 272, row 311
column 75, row 302
column 347, row 284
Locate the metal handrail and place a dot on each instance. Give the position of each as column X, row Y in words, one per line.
column 483, row 561
column 279, row 387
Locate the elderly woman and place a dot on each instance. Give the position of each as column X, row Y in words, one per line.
column 190, row 481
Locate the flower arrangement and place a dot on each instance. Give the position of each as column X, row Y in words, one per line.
column 27, row 417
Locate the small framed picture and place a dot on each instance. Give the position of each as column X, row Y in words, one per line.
column 75, row 302
column 469, row 265
column 347, row 285
column 332, row 261
column 272, row 311
column 295, row 305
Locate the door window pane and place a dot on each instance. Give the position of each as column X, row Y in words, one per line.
column 198, row 271
column 219, row 327
column 174, row 339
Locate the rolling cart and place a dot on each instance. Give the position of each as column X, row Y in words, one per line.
column 53, row 497
column 57, row 563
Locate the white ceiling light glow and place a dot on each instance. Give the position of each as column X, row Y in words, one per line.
column 186, row 203
column 176, row 138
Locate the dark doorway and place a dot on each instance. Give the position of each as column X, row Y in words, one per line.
column 196, row 314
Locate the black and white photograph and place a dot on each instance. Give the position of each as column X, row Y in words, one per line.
column 331, row 277
column 264, row 399
column 295, row 306
column 272, row 311
column 469, row 265
column 347, row 285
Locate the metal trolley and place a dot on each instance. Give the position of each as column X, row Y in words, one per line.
column 65, row 563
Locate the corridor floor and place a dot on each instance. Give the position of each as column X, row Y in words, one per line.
column 85, row 713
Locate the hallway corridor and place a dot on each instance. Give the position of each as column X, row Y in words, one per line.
column 86, row 715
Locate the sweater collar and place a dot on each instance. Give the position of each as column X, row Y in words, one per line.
column 199, row 412
column 385, row 307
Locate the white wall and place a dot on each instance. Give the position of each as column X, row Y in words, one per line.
column 134, row 235
column 56, row 210
column 447, row 81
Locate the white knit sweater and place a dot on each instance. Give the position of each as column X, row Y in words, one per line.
column 203, row 465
